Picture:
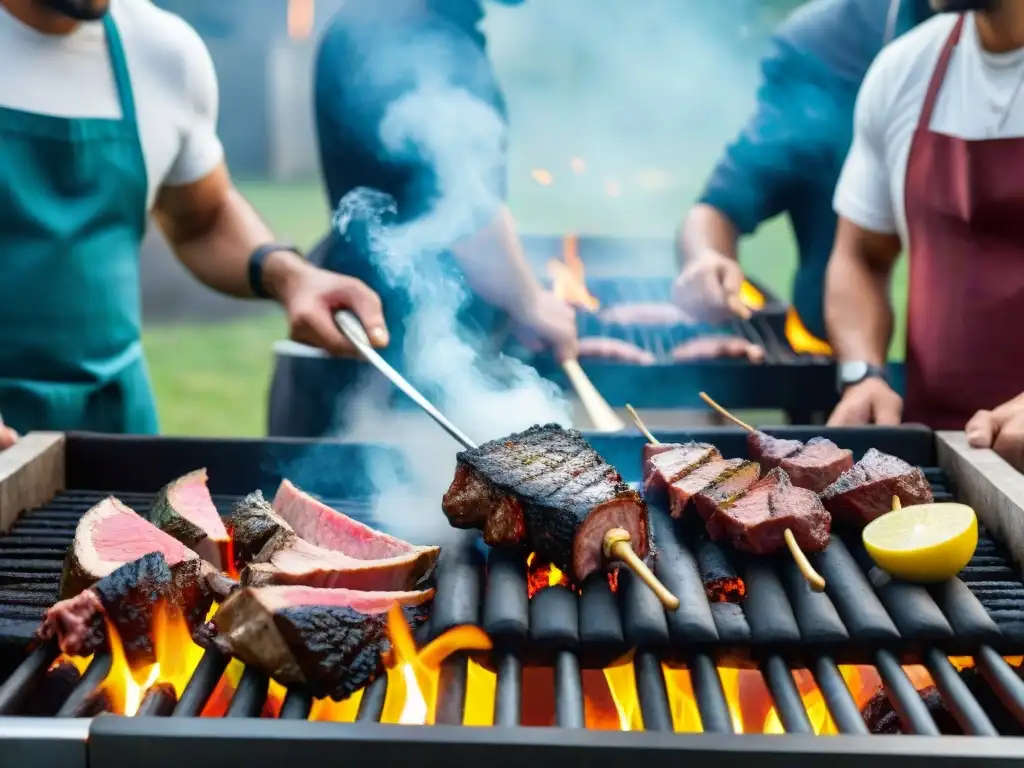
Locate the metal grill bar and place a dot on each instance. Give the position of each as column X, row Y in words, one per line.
column 1008, row 686
column 905, row 700
column 508, row 696
column 251, row 694
column 651, row 692
column 78, row 701
column 707, row 689
column 957, row 697
column 371, row 706
column 158, row 702
column 845, row 713
column 20, row 684
column 568, row 691
column 297, row 705
column 202, row 684
column 788, row 703
column 451, row 691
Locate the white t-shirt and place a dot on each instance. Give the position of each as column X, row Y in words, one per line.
column 173, row 82
column 978, row 90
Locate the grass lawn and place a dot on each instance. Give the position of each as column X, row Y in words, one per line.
column 213, row 379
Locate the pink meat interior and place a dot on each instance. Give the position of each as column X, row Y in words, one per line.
column 120, row 536
column 190, row 497
column 371, row 603
column 318, row 524
column 627, row 513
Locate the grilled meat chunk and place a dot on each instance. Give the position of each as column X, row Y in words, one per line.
column 127, row 598
column 663, row 468
column 273, row 553
column 756, row 520
column 865, row 491
column 548, row 491
column 769, row 451
column 185, row 510
column 714, row 473
column 817, row 465
column 727, row 488
column 331, row 641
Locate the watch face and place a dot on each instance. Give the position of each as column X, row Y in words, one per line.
column 852, row 372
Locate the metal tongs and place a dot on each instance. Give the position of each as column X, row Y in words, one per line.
column 616, row 541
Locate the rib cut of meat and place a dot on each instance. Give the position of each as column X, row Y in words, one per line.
column 666, row 467
column 682, row 491
column 546, row 490
column 325, row 527
column 127, row 597
column 607, row 348
column 769, row 451
column 755, row 522
column 865, row 491
column 711, row 347
column 273, row 553
column 817, row 465
column 726, row 489
column 110, row 535
column 331, row 641
column 184, row 509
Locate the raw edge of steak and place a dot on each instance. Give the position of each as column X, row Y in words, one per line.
column 184, row 509
column 817, row 465
column 333, row 650
column 865, row 491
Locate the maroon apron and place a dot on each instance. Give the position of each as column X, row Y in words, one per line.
column 964, row 205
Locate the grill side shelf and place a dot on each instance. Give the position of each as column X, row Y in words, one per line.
column 31, row 473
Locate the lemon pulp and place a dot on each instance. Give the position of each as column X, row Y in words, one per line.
column 925, row 543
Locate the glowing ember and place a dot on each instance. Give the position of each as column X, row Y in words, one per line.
column 567, row 276
column 542, row 177
column 801, row 340
column 541, row 575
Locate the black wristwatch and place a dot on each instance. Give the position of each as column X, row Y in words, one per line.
column 855, row 371
column 256, row 266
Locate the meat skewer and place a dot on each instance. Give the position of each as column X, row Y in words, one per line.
column 707, row 500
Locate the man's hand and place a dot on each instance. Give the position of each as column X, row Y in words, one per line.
column 8, row 436
column 548, row 321
column 311, row 296
column 1002, row 430
column 708, row 286
column 870, row 402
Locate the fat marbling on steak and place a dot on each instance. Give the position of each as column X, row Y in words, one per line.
column 273, row 553
column 865, row 491
column 548, row 491
column 331, row 641
column 185, row 510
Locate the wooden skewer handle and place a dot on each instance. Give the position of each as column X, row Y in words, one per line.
column 815, row 579
column 617, row 547
column 600, row 413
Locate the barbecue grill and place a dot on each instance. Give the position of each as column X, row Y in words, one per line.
column 797, row 643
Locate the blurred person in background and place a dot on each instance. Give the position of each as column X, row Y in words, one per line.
column 373, row 55
column 108, row 112
column 788, row 157
column 936, row 169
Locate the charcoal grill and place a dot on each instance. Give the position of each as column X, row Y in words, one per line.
column 782, row 626
column 638, row 270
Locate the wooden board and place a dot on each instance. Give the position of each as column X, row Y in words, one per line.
column 31, row 473
column 987, row 483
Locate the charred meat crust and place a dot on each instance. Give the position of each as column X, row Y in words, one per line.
column 253, row 524
column 865, row 491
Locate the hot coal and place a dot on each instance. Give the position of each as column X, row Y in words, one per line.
column 865, row 491
column 273, row 553
column 756, row 520
column 330, row 641
column 185, row 510
column 52, row 691
column 662, row 468
column 127, row 599
column 548, row 491
column 110, row 535
column 722, row 583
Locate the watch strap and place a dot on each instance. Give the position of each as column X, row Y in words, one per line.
column 868, row 371
column 256, row 266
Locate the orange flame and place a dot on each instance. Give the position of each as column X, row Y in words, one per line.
column 301, row 14
column 542, row 177
column 567, row 275
column 539, row 575
column 801, row 340
column 751, row 297
column 413, row 674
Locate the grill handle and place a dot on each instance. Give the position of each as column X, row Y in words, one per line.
column 349, row 325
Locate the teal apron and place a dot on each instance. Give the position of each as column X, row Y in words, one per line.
column 72, row 217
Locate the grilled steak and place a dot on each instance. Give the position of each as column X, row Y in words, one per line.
column 817, row 465
column 769, row 451
column 663, row 468
column 711, row 347
column 865, row 491
column 607, row 348
column 184, row 509
column 127, row 598
column 755, row 521
column 726, row 489
column 273, row 553
column 110, row 535
column 325, row 527
column 548, row 491
column 714, row 472
column 330, row 641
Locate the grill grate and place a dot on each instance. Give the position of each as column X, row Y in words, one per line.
column 781, row 626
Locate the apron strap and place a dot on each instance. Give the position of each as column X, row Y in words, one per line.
column 120, row 66
column 939, row 75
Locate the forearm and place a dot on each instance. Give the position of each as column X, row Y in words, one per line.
column 706, row 229
column 858, row 315
column 496, row 266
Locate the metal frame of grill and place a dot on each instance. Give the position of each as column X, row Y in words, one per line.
column 887, row 624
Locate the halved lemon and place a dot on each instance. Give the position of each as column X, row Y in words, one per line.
column 924, row 543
